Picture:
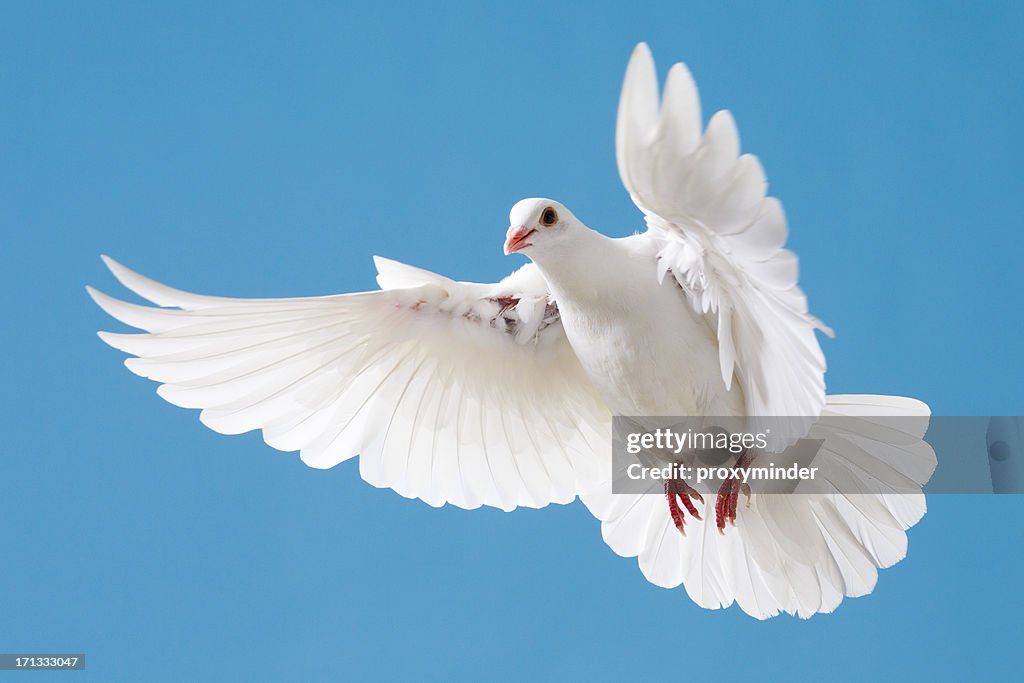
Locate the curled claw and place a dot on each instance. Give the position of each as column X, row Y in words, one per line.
column 745, row 490
column 673, row 509
column 728, row 497
column 677, row 492
column 725, row 510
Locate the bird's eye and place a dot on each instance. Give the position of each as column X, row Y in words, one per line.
column 548, row 217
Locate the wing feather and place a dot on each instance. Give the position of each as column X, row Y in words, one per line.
column 466, row 393
column 720, row 237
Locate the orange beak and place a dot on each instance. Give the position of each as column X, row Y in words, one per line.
column 515, row 238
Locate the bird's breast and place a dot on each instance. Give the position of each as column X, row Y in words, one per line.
column 648, row 353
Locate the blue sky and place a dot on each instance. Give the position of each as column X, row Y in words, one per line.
column 253, row 149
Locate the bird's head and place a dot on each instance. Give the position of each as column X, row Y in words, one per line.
column 538, row 224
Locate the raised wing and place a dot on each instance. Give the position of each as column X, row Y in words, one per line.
column 450, row 391
column 721, row 238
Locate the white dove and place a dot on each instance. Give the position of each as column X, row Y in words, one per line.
column 502, row 394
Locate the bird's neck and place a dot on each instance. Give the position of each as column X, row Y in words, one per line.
column 574, row 270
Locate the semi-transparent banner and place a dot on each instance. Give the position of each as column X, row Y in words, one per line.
column 830, row 454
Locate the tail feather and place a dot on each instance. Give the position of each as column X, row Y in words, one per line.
column 799, row 554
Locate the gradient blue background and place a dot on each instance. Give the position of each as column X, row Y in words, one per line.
column 269, row 151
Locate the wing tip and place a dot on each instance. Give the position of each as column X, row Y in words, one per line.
column 100, row 299
column 825, row 329
column 381, row 262
column 724, row 118
column 106, row 303
column 122, row 273
column 148, row 289
column 680, row 70
column 642, row 60
column 641, row 48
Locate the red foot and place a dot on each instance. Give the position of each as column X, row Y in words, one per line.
column 729, row 494
column 677, row 491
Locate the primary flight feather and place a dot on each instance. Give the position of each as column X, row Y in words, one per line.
column 502, row 394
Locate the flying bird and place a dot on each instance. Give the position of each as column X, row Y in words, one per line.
column 502, row 394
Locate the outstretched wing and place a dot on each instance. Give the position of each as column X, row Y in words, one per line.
column 721, row 238
column 450, row 391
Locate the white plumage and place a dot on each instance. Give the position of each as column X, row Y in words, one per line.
column 502, row 394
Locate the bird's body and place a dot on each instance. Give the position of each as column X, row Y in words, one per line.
column 606, row 292
column 502, row 394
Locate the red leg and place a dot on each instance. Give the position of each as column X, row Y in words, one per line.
column 677, row 492
column 729, row 494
